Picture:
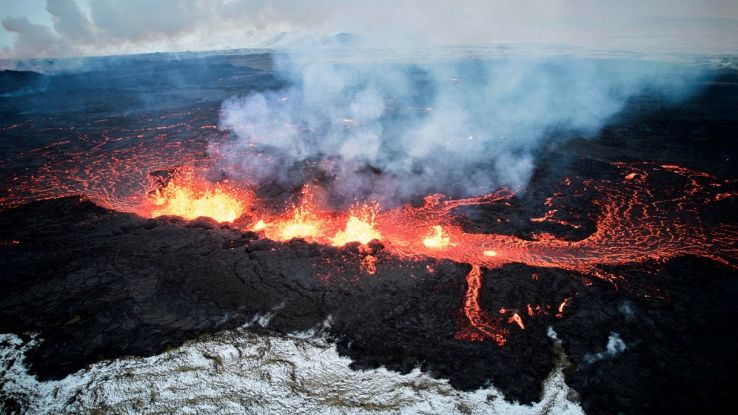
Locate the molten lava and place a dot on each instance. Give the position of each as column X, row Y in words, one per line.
column 487, row 327
column 309, row 222
column 515, row 318
column 259, row 226
column 184, row 197
column 437, row 239
column 359, row 227
column 302, row 224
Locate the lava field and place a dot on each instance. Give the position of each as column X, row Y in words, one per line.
column 120, row 235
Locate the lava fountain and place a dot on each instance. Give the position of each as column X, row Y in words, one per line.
column 190, row 198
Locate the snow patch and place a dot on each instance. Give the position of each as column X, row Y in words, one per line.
column 243, row 372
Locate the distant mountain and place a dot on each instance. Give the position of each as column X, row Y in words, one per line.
column 293, row 40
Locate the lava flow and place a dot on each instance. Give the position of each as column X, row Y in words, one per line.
column 635, row 224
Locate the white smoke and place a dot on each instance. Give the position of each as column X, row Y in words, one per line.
column 391, row 130
column 615, row 346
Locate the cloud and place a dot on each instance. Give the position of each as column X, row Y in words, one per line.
column 137, row 20
column 125, row 26
column 33, row 39
column 69, row 21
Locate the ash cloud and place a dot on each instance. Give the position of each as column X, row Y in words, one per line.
column 392, row 131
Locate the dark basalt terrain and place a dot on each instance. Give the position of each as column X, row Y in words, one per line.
column 99, row 284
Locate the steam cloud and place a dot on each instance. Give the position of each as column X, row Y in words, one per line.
column 393, row 131
column 615, row 346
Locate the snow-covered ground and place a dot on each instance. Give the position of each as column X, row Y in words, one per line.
column 243, row 372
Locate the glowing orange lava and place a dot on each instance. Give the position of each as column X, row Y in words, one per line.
column 515, row 318
column 184, row 197
column 359, row 227
column 437, row 239
column 302, row 224
column 489, row 327
column 259, row 226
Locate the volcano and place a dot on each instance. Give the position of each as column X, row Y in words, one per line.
column 122, row 234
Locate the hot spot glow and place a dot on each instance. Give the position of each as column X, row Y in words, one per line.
column 301, row 225
column 305, row 221
column 359, row 227
column 186, row 199
column 437, row 238
column 485, row 326
column 259, row 226
column 515, row 318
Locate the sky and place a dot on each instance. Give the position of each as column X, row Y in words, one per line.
column 56, row 28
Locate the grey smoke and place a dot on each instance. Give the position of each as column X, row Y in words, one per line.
column 69, row 20
column 551, row 333
column 627, row 309
column 390, row 131
column 32, row 37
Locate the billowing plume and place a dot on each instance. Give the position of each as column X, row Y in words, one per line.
column 392, row 131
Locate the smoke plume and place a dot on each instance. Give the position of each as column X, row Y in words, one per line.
column 615, row 346
column 391, row 131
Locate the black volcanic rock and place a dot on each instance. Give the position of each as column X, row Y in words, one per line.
column 677, row 325
column 99, row 284
column 14, row 81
